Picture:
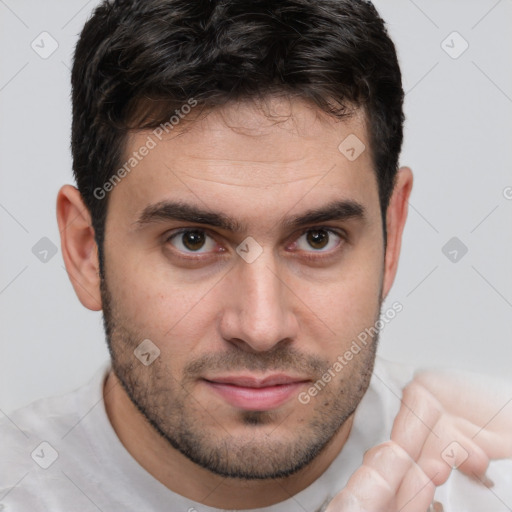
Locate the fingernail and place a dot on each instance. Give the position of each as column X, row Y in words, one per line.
column 484, row 480
column 487, row 482
column 438, row 507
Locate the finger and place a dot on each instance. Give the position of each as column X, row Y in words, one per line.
column 435, row 468
column 469, row 457
column 416, row 492
column 450, row 449
column 415, row 422
column 497, row 445
column 366, row 490
column 482, row 400
column 441, row 452
column 375, row 484
column 345, row 501
column 390, row 461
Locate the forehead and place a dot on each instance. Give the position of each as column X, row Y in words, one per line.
column 272, row 154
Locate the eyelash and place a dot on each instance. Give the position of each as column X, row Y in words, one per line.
column 313, row 255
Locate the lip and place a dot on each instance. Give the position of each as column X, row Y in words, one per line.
column 250, row 381
column 256, row 394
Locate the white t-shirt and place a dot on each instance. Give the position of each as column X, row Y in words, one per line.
column 61, row 454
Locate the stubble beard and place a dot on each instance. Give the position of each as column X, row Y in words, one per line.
column 180, row 419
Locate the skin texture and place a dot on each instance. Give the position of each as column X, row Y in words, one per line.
column 293, row 310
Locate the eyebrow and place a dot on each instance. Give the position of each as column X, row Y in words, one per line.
column 340, row 210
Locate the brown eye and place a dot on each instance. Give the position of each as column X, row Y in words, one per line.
column 318, row 239
column 192, row 240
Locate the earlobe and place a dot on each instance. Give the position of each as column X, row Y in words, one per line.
column 395, row 223
column 79, row 249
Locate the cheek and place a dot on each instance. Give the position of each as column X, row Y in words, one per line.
column 348, row 305
column 157, row 306
column 350, row 309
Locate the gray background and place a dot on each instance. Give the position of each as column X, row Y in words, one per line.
column 457, row 141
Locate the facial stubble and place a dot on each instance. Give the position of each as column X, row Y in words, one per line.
column 173, row 412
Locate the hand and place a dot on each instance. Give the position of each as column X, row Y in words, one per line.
column 392, row 476
column 388, row 480
column 445, row 421
column 476, row 414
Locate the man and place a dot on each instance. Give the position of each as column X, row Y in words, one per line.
column 238, row 219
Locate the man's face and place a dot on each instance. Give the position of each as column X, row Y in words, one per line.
column 226, row 311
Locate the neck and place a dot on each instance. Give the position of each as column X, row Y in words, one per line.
column 186, row 478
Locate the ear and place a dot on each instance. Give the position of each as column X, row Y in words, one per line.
column 79, row 248
column 395, row 221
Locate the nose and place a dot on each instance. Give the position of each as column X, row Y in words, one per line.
column 258, row 312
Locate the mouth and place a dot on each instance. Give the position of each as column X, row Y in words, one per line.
column 256, row 394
